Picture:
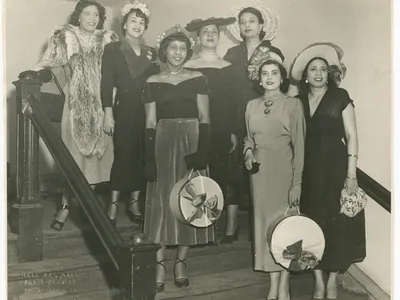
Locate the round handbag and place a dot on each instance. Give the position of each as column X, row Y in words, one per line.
column 197, row 201
column 351, row 205
column 295, row 241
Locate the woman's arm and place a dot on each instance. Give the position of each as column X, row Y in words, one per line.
column 350, row 128
column 107, row 88
column 297, row 134
column 249, row 139
column 151, row 115
column 203, row 108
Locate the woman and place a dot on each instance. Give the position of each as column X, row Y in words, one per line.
column 330, row 161
column 78, row 47
column 222, row 99
column 252, row 33
column 126, row 65
column 177, row 138
column 275, row 140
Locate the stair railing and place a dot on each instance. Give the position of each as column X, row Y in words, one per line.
column 134, row 260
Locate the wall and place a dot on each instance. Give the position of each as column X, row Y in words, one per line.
column 360, row 27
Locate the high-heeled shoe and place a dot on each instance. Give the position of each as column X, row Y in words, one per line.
column 183, row 281
column 136, row 218
column 229, row 239
column 113, row 221
column 160, row 286
column 59, row 225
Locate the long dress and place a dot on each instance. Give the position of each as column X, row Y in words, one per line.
column 127, row 72
column 176, row 136
column 325, row 171
column 223, row 124
column 277, row 140
column 244, row 91
column 82, row 118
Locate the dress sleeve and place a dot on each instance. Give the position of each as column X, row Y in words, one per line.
column 344, row 98
column 202, row 86
column 297, row 134
column 56, row 52
column 249, row 139
column 107, row 76
column 146, row 94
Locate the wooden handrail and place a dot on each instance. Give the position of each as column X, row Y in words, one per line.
column 374, row 190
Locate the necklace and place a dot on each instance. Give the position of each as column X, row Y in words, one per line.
column 172, row 72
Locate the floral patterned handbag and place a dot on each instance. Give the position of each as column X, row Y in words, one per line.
column 351, row 205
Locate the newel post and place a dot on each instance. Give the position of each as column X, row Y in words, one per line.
column 137, row 271
column 26, row 211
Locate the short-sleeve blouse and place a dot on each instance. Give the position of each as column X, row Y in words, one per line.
column 175, row 101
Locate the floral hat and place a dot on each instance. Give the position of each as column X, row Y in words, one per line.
column 271, row 21
column 197, row 24
column 175, row 29
column 135, row 5
column 332, row 53
column 263, row 53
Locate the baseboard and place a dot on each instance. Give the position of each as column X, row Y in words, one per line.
column 367, row 283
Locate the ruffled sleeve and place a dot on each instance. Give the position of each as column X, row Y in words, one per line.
column 202, row 85
column 147, row 95
column 344, row 98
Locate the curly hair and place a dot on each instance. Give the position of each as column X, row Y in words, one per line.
column 334, row 76
column 139, row 14
column 179, row 36
column 284, row 86
column 80, row 6
column 259, row 16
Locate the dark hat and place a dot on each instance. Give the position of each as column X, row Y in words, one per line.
column 196, row 24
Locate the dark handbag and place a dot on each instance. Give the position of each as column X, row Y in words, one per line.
column 53, row 104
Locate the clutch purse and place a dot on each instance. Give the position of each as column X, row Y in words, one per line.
column 352, row 205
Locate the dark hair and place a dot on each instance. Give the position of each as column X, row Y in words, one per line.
column 259, row 16
column 284, row 86
column 80, row 6
column 332, row 74
column 139, row 14
column 179, row 36
column 198, row 30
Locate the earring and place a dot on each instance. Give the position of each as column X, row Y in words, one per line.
column 260, row 83
column 306, row 80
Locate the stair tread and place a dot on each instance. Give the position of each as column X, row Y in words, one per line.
column 88, row 260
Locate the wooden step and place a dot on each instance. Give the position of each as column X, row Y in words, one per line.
column 87, row 273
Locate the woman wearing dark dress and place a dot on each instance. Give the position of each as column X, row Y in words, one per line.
column 126, row 65
column 177, row 138
column 255, row 28
column 222, row 99
column 331, row 153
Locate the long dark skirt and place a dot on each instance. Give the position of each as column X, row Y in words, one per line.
column 175, row 138
column 323, row 179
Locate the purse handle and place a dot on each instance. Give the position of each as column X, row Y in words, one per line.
column 289, row 207
column 54, row 78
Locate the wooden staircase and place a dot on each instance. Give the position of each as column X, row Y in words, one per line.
column 75, row 266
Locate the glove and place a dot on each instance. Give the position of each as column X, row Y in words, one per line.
column 150, row 168
column 199, row 159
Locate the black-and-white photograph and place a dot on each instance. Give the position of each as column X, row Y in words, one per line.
column 182, row 149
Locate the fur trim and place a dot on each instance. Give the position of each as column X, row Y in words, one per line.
column 84, row 56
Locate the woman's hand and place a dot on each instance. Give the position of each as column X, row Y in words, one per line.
column 233, row 143
column 249, row 159
column 351, row 185
column 109, row 122
column 294, row 195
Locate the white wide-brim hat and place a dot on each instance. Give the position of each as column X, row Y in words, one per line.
column 324, row 51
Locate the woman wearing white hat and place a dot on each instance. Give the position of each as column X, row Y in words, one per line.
column 331, row 154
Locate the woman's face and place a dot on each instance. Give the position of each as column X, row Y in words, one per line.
column 270, row 77
column 317, row 73
column 176, row 53
column 209, row 36
column 89, row 18
column 249, row 25
column 134, row 26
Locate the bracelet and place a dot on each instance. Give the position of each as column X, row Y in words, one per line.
column 353, row 178
column 352, row 155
